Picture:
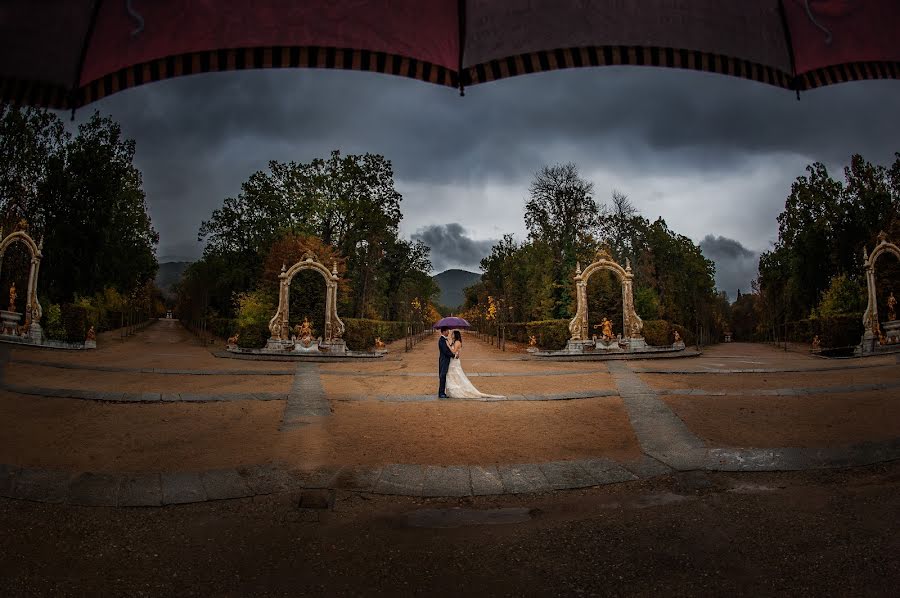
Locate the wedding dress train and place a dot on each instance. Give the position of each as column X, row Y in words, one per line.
column 459, row 386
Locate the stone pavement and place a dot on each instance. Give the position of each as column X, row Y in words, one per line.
column 307, row 398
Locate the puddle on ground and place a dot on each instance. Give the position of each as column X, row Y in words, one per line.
column 459, row 517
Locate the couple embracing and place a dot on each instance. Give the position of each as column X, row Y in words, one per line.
column 454, row 384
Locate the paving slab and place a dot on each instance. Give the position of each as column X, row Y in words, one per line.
column 223, row 484
column 523, row 478
column 42, row 485
column 563, row 475
column 94, row 490
column 362, row 479
column 181, row 488
column 8, row 474
column 268, row 479
column 486, row 480
column 306, row 399
column 322, row 477
column 647, row 467
column 401, row 479
column 140, row 490
column 446, row 481
column 604, row 471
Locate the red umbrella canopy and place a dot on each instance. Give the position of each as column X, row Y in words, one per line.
column 66, row 53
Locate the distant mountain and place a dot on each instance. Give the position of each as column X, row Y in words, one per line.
column 452, row 283
column 168, row 274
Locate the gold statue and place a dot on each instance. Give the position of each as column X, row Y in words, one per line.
column 379, row 344
column 91, row 334
column 606, row 329
column 676, row 336
column 12, row 297
column 232, row 340
column 532, row 341
column 816, row 343
column 304, row 332
column 892, row 307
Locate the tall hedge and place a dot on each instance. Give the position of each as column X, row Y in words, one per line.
column 359, row 334
column 660, row 333
column 833, row 331
column 74, row 322
column 550, row 334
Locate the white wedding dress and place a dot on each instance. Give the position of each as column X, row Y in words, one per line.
column 459, row 386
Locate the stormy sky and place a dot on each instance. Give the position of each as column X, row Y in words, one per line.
column 713, row 155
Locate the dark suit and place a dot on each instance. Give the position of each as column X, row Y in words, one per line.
column 443, row 363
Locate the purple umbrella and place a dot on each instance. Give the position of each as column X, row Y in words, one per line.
column 451, row 322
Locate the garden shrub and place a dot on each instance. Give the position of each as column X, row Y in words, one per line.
column 52, row 324
column 833, row 331
column 253, row 336
column 551, row 334
column 657, row 333
column 74, row 322
column 359, row 334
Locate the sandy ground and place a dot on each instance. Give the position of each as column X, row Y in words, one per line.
column 93, row 436
column 341, row 387
column 737, row 356
column 805, row 421
column 748, row 382
column 50, row 377
column 164, row 344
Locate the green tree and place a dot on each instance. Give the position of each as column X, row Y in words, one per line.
column 96, row 228
column 562, row 213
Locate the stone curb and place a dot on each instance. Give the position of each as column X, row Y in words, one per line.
column 861, row 366
column 472, row 375
column 153, row 489
column 780, row 392
column 666, row 354
column 172, row 371
column 141, row 397
column 563, row 396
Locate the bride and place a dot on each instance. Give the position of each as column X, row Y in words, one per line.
column 458, row 385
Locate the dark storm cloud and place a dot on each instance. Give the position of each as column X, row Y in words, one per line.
column 199, row 137
column 452, row 248
column 736, row 265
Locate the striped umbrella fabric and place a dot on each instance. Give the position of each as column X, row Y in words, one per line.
column 68, row 53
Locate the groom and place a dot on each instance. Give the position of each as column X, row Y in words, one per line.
column 444, row 357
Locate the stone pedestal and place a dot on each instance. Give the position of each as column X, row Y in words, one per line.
column 276, row 344
column 36, row 334
column 311, row 347
column 335, row 346
column 891, row 332
column 9, row 322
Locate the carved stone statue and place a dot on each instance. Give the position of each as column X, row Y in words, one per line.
column 91, row 334
column 304, row 332
column 232, row 340
column 379, row 344
column 606, row 329
column 892, row 307
column 532, row 341
column 12, row 297
column 676, row 336
column 816, row 343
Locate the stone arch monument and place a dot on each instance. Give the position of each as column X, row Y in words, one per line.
column 873, row 336
column 334, row 327
column 632, row 323
column 33, row 310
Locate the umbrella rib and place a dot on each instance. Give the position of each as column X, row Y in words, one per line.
column 76, row 84
column 461, row 13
